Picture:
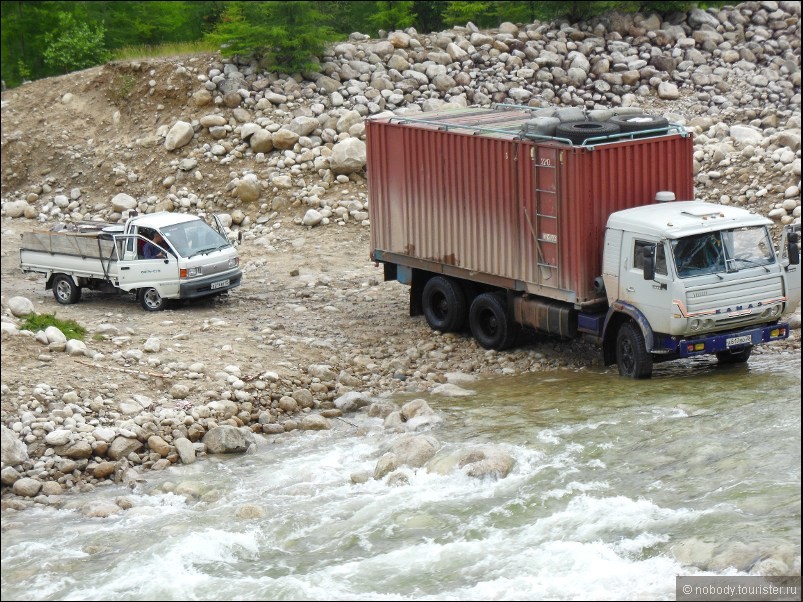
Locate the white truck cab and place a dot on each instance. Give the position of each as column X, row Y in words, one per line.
column 698, row 278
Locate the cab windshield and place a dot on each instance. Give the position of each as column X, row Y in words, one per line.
column 722, row 251
column 194, row 238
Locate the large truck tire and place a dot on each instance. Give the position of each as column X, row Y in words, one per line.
column 151, row 300
column 632, row 357
column 639, row 122
column 737, row 357
column 579, row 131
column 444, row 303
column 65, row 291
column 490, row 323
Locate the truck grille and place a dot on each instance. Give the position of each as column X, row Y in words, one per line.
column 216, row 268
column 734, row 296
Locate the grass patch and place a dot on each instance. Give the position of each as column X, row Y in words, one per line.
column 70, row 328
column 122, row 86
column 130, row 53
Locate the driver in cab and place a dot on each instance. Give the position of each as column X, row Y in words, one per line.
column 151, row 251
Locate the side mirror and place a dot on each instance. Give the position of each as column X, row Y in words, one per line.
column 793, row 249
column 649, row 262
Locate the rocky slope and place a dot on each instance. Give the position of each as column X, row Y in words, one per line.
column 284, row 158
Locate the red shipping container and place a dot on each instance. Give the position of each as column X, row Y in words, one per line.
column 466, row 193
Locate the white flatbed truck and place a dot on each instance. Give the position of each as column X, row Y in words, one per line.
column 196, row 260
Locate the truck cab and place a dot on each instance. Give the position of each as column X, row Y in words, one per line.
column 696, row 278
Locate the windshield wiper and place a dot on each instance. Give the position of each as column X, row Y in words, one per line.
column 752, row 262
column 204, row 251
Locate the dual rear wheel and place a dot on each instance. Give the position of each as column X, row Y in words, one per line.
column 447, row 309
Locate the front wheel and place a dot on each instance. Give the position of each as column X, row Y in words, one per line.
column 151, row 300
column 632, row 357
column 735, row 357
column 65, row 291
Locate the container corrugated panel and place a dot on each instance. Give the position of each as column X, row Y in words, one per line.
column 491, row 202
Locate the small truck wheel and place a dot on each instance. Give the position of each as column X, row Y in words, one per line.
column 65, row 291
column 151, row 300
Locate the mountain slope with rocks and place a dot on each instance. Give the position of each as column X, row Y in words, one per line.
column 283, row 158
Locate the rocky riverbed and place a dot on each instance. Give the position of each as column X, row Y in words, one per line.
column 313, row 332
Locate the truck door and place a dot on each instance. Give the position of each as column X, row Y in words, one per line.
column 792, row 270
column 652, row 297
column 219, row 227
column 161, row 274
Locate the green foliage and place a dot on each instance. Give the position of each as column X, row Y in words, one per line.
column 130, row 53
column 75, row 46
column 667, row 8
column 23, row 70
column 518, row 12
column 391, row 16
column 36, row 43
column 482, row 14
column 428, row 15
column 156, row 22
column 122, row 86
column 287, row 35
column 582, row 10
column 70, row 328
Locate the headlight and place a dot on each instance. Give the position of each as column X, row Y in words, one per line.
column 193, row 272
column 694, row 324
column 771, row 312
column 234, row 262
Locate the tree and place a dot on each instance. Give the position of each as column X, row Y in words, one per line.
column 393, row 15
column 428, row 15
column 287, row 35
column 581, row 10
column 482, row 14
column 75, row 45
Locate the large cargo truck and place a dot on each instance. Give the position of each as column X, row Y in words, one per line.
column 496, row 228
column 157, row 256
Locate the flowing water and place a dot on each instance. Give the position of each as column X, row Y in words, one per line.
column 618, row 487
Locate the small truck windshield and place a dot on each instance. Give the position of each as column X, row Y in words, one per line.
column 194, row 238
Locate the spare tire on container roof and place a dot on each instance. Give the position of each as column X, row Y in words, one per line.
column 639, row 122
column 579, row 131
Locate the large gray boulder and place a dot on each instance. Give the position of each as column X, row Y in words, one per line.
column 14, row 451
column 348, row 156
column 408, row 450
column 227, row 439
column 179, row 135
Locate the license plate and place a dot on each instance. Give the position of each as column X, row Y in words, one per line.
column 222, row 283
column 739, row 340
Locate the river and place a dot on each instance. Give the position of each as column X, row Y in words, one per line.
column 618, row 487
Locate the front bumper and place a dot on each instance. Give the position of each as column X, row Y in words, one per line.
column 732, row 340
column 210, row 285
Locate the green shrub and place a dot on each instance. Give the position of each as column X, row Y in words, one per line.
column 75, row 45
column 70, row 328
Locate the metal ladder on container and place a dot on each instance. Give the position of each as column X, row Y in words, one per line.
column 545, row 226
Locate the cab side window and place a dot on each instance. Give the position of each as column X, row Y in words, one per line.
column 660, row 256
